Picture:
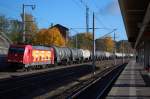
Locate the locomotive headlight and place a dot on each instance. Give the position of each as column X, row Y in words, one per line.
column 9, row 60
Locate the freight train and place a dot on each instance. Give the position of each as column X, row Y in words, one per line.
column 28, row 56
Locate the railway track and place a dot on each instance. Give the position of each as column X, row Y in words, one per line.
column 40, row 83
column 98, row 87
column 18, row 88
column 8, row 74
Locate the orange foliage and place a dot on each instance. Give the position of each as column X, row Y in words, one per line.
column 50, row 36
column 109, row 44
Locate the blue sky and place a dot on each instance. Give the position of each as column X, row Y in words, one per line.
column 70, row 13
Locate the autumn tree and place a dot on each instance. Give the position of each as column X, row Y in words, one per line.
column 109, row 44
column 51, row 36
column 39, row 37
column 105, row 44
column 83, row 40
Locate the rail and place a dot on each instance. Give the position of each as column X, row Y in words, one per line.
column 98, row 88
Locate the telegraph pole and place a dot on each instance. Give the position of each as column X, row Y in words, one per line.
column 77, row 40
column 87, row 19
column 93, row 52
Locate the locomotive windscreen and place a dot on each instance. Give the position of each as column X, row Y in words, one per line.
column 16, row 50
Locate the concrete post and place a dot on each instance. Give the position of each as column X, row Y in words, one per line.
column 146, row 54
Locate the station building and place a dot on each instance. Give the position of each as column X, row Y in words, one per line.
column 136, row 17
column 63, row 30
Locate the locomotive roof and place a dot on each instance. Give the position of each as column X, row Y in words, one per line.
column 15, row 45
column 41, row 47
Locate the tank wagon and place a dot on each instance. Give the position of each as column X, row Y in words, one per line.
column 99, row 55
column 77, row 55
column 62, row 55
column 86, row 55
column 107, row 55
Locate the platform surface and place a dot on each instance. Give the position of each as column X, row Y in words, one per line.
column 133, row 83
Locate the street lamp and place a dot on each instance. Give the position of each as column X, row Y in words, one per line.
column 23, row 19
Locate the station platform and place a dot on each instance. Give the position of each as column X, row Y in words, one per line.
column 133, row 83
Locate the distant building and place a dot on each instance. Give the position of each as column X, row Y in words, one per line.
column 63, row 30
column 100, row 44
column 4, row 43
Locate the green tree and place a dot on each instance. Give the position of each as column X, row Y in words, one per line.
column 12, row 28
column 15, row 32
column 4, row 24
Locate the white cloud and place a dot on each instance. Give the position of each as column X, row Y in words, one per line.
column 112, row 8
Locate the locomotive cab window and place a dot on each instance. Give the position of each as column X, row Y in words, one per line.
column 16, row 50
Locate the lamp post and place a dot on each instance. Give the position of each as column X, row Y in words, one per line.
column 23, row 19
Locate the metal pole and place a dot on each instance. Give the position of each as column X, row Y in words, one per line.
column 23, row 19
column 87, row 19
column 114, row 49
column 66, row 39
column 93, row 44
column 122, row 52
column 77, row 40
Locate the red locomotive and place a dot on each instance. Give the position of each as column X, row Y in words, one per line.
column 30, row 56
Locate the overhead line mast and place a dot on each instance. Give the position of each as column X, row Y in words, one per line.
column 87, row 19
